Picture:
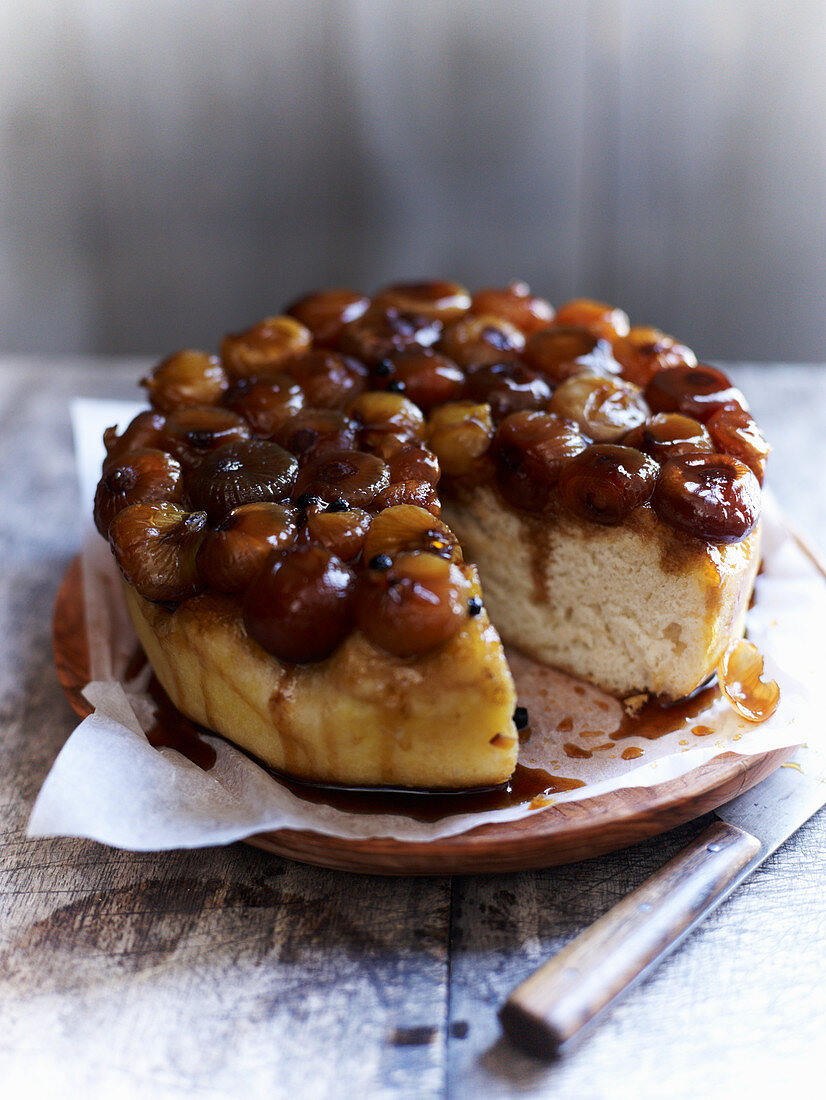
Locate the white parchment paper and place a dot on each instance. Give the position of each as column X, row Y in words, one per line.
column 110, row 785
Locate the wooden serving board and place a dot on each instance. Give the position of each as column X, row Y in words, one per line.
column 559, row 834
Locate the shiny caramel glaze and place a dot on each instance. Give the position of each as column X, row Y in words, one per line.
column 741, row 678
column 171, row 730
column 526, row 786
column 366, row 402
column 633, row 752
column 656, row 719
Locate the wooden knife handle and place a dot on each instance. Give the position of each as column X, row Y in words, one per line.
column 586, row 976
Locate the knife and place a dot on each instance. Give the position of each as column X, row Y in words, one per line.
column 588, row 975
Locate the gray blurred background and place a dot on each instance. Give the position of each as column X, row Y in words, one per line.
column 171, row 169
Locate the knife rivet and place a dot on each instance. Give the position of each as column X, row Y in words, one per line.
column 715, row 847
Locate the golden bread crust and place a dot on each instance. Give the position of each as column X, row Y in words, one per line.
column 362, row 717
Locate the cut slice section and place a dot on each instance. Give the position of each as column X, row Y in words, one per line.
column 581, row 597
column 362, row 717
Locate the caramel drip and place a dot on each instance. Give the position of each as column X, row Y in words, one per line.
column 533, row 786
column 291, row 747
column 172, row 730
column 533, row 531
column 741, row 677
column 654, row 720
column 135, row 665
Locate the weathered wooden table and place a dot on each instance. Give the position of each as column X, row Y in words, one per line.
column 229, row 972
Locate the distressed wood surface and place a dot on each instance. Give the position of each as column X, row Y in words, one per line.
column 231, row 972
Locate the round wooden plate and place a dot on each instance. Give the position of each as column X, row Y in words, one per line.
column 559, row 834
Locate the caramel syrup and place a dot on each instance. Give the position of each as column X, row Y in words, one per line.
column 172, row 730
column 135, row 665
column 633, row 752
column 741, row 677
column 651, row 721
column 655, row 719
column 526, row 785
column 524, row 735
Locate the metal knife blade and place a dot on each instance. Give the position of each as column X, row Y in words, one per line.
column 777, row 807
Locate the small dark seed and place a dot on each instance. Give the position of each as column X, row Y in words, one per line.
column 338, row 505
column 382, row 562
column 383, row 368
column 395, row 386
column 119, row 480
column 307, row 500
column 474, row 606
column 199, row 437
column 520, row 718
column 303, row 439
